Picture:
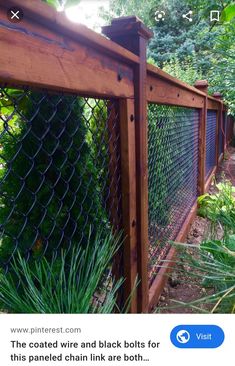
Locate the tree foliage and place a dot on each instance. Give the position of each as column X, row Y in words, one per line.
column 200, row 49
column 61, row 4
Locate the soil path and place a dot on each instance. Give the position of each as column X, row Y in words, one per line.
column 181, row 287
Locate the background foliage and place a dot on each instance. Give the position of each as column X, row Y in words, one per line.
column 189, row 50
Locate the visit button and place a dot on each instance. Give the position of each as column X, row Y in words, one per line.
column 197, row 336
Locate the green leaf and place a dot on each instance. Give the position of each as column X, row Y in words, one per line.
column 54, row 3
column 70, row 3
column 228, row 13
column 231, row 243
column 202, row 198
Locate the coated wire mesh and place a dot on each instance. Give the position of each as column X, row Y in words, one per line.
column 210, row 142
column 59, row 173
column 225, row 119
column 229, row 128
column 173, row 135
column 221, row 137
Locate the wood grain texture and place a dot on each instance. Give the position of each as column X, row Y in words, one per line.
column 213, row 104
column 128, row 171
column 31, row 55
column 164, row 91
column 49, row 18
column 134, row 38
column 160, row 74
column 142, row 176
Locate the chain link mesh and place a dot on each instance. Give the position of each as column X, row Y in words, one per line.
column 173, row 135
column 221, row 137
column 210, row 142
column 229, row 121
column 59, row 172
column 225, row 118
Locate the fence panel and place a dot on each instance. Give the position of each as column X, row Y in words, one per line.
column 59, row 173
column 72, row 164
column 229, row 121
column 210, row 142
column 221, row 135
column 173, row 145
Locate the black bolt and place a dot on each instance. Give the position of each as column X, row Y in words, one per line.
column 119, row 76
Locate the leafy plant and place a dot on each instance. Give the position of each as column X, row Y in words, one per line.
column 228, row 13
column 219, row 208
column 186, row 70
column 64, row 285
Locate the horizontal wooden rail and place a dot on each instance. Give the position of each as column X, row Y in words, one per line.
column 42, row 14
column 45, row 50
column 165, row 91
column 213, row 103
column 163, row 88
column 158, row 73
column 36, row 56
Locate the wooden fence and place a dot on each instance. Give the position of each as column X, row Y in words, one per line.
column 48, row 52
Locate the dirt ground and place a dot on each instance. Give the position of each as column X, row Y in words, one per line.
column 184, row 288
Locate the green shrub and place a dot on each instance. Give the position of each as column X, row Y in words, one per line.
column 51, row 191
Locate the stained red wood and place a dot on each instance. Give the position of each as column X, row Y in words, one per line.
column 32, row 55
column 48, row 51
column 218, row 116
column 165, row 91
column 134, row 38
column 202, row 86
column 158, row 73
column 129, row 218
column 202, row 149
column 142, row 177
column 213, row 104
column 49, row 18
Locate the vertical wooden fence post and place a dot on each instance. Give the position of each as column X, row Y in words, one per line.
column 203, row 86
column 131, row 33
column 128, row 180
column 219, row 123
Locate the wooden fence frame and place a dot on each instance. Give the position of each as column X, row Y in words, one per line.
column 46, row 50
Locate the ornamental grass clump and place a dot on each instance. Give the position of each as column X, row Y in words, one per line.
column 66, row 284
column 213, row 264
